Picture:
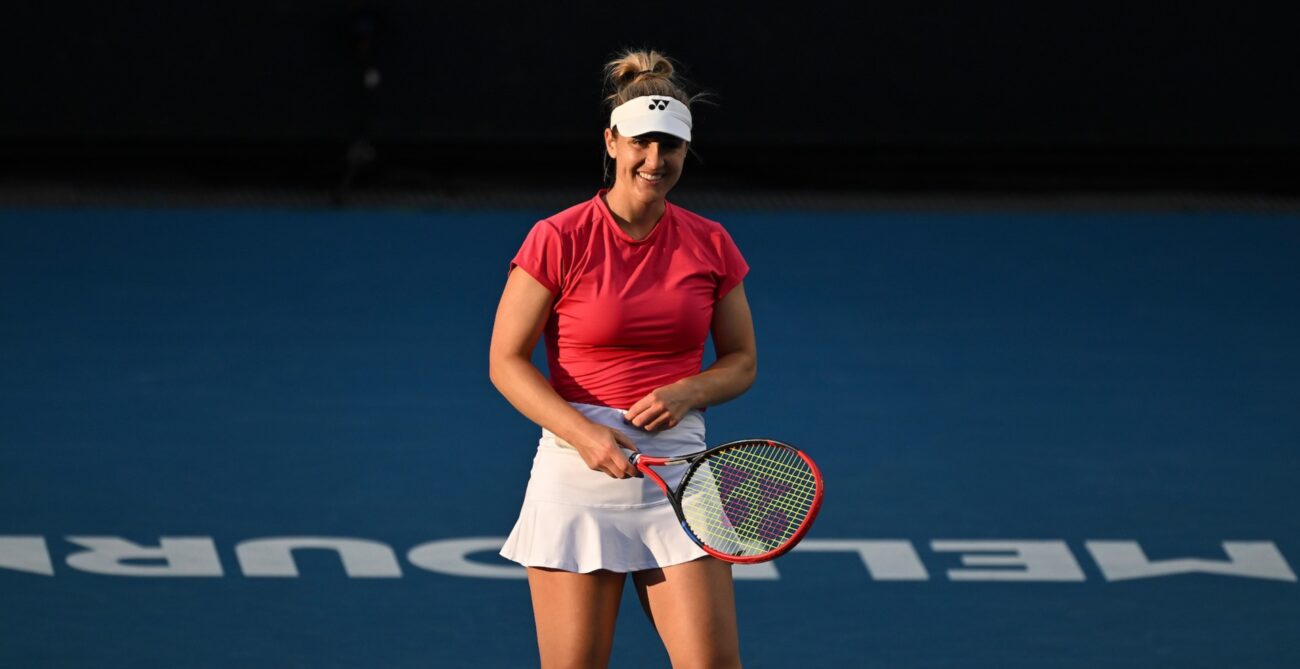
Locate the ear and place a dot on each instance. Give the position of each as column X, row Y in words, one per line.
column 611, row 143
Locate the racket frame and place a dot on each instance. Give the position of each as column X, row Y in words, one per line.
column 643, row 463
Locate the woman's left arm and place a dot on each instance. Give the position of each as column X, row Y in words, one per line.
column 729, row 376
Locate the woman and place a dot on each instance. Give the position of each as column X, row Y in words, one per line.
column 626, row 288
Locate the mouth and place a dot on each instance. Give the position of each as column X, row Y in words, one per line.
column 650, row 177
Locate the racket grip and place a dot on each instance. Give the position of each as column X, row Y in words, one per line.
column 639, row 459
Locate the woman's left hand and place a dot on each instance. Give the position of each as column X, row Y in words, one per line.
column 663, row 408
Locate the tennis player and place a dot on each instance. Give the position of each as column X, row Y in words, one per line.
column 625, row 287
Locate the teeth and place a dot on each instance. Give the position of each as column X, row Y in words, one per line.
column 650, row 177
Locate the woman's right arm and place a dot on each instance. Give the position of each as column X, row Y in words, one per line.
column 521, row 317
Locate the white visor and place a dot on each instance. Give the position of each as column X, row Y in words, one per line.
column 652, row 113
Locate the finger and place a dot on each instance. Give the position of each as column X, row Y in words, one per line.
column 664, row 420
column 651, row 415
column 630, row 469
column 611, row 466
column 627, row 470
column 638, row 415
column 636, row 409
column 625, row 441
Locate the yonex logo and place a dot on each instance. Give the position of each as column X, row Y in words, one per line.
column 735, row 503
column 658, row 104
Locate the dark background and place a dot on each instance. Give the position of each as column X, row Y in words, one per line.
column 878, row 96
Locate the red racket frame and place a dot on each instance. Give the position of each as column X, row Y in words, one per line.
column 645, row 462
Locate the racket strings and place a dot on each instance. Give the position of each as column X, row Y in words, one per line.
column 709, row 512
column 750, row 499
column 746, row 519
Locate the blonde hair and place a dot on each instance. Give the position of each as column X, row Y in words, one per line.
column 634, row 73
column 637, row 72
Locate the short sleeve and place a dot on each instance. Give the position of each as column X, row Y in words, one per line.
column 542, row 256
column 734, row 267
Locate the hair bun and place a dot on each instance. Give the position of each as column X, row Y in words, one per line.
column 633, row 65
column 642, row 72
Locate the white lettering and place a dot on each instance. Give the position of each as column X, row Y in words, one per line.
column 760, row 571
column 273, row 556
column 451, row 557
column 1123, row 560
column 1038, row 560
column 885, row 559
column 180, row 556
column 28, row 554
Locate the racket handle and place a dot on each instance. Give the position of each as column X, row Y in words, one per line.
column 643, row 461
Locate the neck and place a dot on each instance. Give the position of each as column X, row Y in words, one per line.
column 637, row 217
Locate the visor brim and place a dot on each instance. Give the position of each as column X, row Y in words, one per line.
column 665, row 123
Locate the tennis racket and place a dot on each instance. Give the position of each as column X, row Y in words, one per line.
column 745, row 501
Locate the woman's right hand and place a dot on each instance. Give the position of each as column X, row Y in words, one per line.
column 601, row 448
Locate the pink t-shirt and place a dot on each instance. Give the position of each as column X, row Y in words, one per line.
column 629, row 315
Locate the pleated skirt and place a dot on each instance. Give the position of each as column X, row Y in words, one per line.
column 580, row 520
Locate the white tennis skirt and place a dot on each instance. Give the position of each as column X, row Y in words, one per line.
column 580, row 520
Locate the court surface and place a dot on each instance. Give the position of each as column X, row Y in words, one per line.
column 1050, row 440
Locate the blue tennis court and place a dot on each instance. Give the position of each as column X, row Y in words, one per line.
column 266, row 438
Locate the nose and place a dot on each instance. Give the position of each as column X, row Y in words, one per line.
column 652, row 156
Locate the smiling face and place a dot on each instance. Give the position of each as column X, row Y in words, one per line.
column 647, row 166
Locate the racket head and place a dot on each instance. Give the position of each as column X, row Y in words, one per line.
column 750, row 500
